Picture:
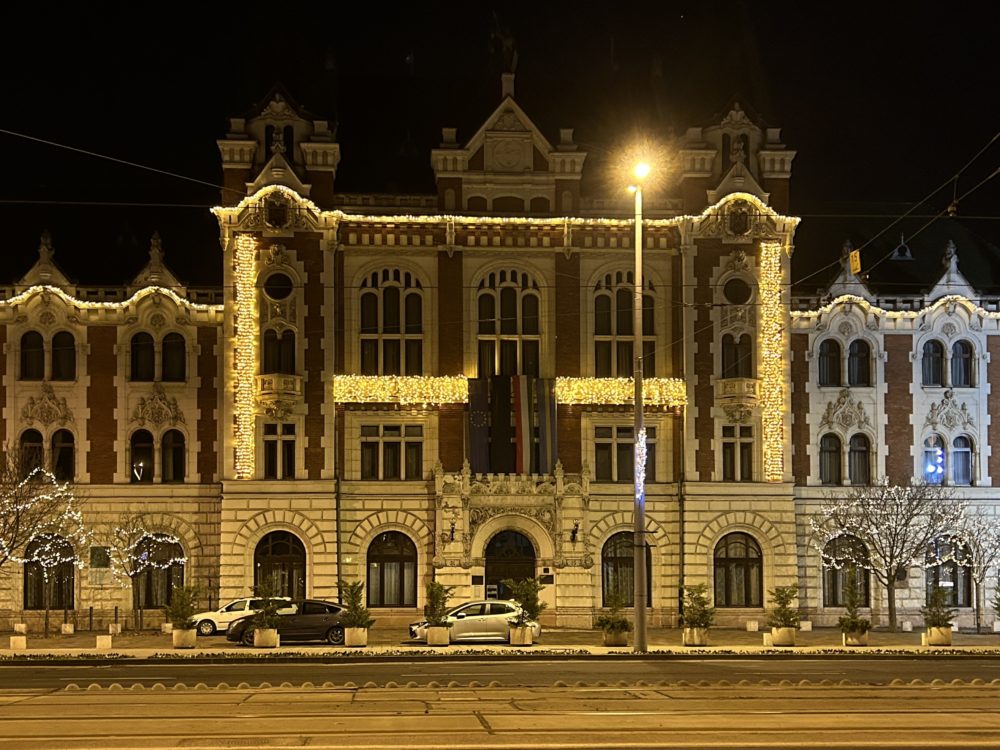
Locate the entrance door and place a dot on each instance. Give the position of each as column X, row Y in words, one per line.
column 509, row 554
column 280, row 564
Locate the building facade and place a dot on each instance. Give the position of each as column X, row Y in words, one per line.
column 399, row 388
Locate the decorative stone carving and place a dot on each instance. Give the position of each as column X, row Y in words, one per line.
column 46, row 409
column 503, row 484
column 157, row 321
column 276, row 255
column 157, row 409
column 277, row 408
column 846, row 328
column 845, row 412
column 949, row 329
column 738, row 262
column 47, row 318
column 737, row 414
column 480, row 515
column 949, row 414
column 508, row 121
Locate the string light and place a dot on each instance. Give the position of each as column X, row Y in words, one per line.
column 140, row 294
column 57, row 536
column 640, row 466
column 614, row 391
column 244, row 353
column 772, row 362
column 868, row 307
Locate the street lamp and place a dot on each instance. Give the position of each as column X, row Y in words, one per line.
column 640, row 172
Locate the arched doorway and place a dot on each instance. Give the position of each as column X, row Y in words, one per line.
column 392, row 571
column 509, row 554
column 279, row 561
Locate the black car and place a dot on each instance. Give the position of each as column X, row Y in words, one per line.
column 313, row 620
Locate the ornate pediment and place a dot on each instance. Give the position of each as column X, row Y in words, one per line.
column 46, row 409
column 949, row 414
column 545, row 515
column 738, row 221
column 845, row 412
column 157, row 409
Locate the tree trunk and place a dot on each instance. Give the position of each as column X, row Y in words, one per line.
column 47, row 596
column 890, row 592
column 979, row 591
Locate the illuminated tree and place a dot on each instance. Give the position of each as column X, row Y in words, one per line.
column 135, row 551
column 980, row 535
column 897, row 525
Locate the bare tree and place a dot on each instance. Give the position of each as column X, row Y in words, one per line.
column 896, row 524
column 133, row 549
column 980, row 532
column 30, row 502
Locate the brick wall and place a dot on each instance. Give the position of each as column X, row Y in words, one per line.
column 3, row 388
column 567, row 307
column 451, row 318
column 800, row 407
column 338, row 313
column 898, row 408
column 102, row 400
column 993, row 407
column 208, row 429
column 315, row 390
column 451, row 436
column 569, row 437
column 704, row 395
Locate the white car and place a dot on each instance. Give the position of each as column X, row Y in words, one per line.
column 485, row 620
column 210, row 623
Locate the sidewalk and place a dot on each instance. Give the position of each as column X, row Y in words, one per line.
column 393, row 642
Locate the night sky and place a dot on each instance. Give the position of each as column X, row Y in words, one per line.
column 882, row 105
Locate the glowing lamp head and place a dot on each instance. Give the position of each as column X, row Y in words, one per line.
column 641, row 170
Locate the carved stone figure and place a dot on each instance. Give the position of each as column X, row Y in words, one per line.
column 157, row 409
column 845, row 412
column 46, row 409
column 949, row 414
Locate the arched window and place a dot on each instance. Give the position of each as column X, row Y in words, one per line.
column 737, row 356
column 63, row 356
column 618, row 570
column 934, row 460
column 32, row 356
column 952, row 574
column 829, row 459
column 829, row 363
column 932, row 364
column 738, row 571
column 172, row 456
column 49, row 586
column 392, row 571
column 859, row 459
column 614, row 340
column 392, row 323
column 508, row 344
column 962, row 364
column 63, row 465
column 32, row 451
column 143, row 357
column 141, row 456
column 845, row 557
column 961, row 460
column 279, row 352
column 859, row 364
column 279, row 562
column 174, row 354
column 160, row 563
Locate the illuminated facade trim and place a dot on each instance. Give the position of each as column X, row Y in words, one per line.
column 772, row 363
column 140, row 294
column 244, row 353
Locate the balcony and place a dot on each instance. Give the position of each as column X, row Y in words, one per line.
column 737, row 392
column 279, row 387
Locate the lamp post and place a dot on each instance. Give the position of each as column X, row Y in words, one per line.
column 640, row 172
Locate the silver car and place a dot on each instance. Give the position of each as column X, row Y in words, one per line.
column 485, row 620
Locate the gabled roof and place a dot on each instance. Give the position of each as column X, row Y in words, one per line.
column 508, row 115
column 278, row 171
column 155, row 272
column 45, row 270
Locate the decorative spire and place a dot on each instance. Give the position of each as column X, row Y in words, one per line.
column 45, row 249
column 278, row 142
column 156, row 250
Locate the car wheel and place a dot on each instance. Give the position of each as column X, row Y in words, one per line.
column 335, row 636
column 247, row 638
column 206, row 627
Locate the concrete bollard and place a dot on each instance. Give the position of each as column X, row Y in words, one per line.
column 996, row 626
column 114, row 628
column 752, row 626
column 21, row 628
column 907, row 626
column 68, row 628
column 768, row 640
column 954, row 627
column 167, row 628
column 18, row 642
column 806, row 626
column 103, row 642
column 923, row 639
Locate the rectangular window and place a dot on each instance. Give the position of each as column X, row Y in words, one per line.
column 602, row 359
column 624, row 363
column 392, row 452
column 649, row 359
column 737, row 453
column 614, row 454
column 369, row 357
column 279, row 450
column 390, row 357
column 414, row 357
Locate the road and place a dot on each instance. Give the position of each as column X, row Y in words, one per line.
column 539, row 718
column 519, row 671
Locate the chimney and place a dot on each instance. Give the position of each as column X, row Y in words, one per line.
column 507, row 85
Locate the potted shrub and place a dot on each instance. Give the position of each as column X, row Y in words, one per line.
column 525, row 593
column 698, row 615
column 266, row 619
column 783, row 618
column 356, row 618
column 436, row 613
column 180, row 613
column 853, row 627
column 615, row 625
column 937, row 618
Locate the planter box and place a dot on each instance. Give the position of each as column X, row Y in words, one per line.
column 67, row 628
column 114, row 628
column 185, row 638
column 355, row 637
column 695, row 637
column 996, row 626
column 939, row 636
column 753, row 626
column 21, row 628
column 783, row 636
column 520, row 636
column 611, row 637
column 103, row 643
column 18, row 642
column 265, row 638
column 854, row 638
column 907, row 626
column 438, row 636
column 167, row 627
